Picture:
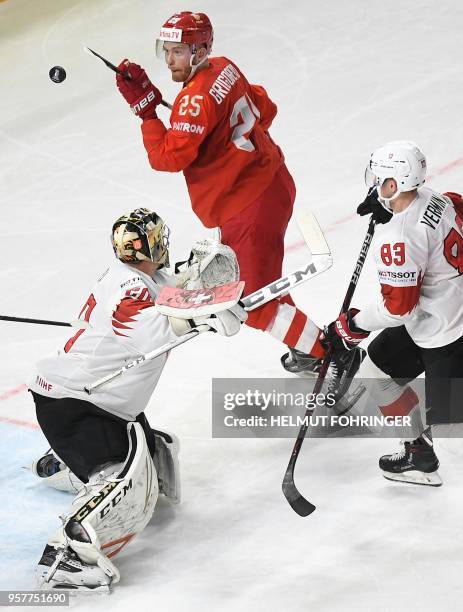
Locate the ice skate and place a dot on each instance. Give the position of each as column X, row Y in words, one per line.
column 415, row 463
column 47, row 465
column 61, row 568
column 301, row 363
column 343, row 367
column 54, row 473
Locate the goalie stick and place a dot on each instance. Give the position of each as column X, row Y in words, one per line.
column 314, row 239
column 296, row 500
column 320, row 262
column 125, row 74
column 79, row 323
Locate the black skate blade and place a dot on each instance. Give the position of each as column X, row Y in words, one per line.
column 299, row 504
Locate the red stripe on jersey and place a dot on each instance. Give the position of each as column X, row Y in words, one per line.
column 457, row 201
column 403, row 405
column 127, row 309
column 295, row 329
column 401, row 300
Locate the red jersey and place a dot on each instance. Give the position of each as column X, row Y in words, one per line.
column 219, row 138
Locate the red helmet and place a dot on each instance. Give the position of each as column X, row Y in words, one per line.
column 194, row 29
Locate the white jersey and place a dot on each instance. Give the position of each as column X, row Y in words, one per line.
column 419, row 258
column 124, row 325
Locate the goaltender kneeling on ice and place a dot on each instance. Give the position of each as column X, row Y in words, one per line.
column 104, row 450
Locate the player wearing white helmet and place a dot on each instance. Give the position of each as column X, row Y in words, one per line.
column 402, row 161
column 104, row 449
column 418, row 249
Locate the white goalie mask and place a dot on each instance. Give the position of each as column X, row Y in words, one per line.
column 400, row 160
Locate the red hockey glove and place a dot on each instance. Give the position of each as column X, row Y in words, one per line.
column 138, row 91
column 343, row 334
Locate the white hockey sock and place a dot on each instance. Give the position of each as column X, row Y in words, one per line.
column 294, row 328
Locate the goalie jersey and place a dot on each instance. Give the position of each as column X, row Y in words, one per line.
column 419, row 258
column 123, row 325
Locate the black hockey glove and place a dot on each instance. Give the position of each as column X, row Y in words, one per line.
column 371, row 206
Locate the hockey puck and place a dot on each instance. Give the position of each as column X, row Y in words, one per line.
column 57, row 74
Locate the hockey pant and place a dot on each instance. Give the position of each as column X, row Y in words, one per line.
column 85, row 437
column 394, row 353
column 257, row 236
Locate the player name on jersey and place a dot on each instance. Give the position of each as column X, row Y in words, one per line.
column 224, row 82
column 433, row 212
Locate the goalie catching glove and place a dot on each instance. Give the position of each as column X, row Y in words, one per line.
column 225, row 323
column 210, row 264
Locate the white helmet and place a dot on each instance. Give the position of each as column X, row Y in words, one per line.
column 401, row 160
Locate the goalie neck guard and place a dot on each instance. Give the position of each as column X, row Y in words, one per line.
column 141, row 236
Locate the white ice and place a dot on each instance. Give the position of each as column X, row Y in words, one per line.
column 347, row 77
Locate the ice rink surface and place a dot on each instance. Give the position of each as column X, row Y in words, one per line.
column 347, row 77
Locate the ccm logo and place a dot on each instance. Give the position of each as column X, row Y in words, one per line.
column 116, row 499
column 136, row 108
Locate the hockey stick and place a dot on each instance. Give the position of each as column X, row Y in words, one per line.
column 78, row 323
column 124, row 73
column 316, row 242
column 321, row 261
column 251, row 302
column 298, row 502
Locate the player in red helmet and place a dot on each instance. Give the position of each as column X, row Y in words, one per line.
column 236, row 175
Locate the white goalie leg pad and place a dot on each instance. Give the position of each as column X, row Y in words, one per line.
column 53, row 472
column 165, row 459
column 210, row 264
column 113, row 507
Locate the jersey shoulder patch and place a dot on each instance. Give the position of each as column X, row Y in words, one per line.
column 134, row 300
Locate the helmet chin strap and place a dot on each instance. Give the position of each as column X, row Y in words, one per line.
column 386, row 202
column 194, row 67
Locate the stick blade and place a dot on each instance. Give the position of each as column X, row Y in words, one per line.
column 298, row 503
column 313, row 234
